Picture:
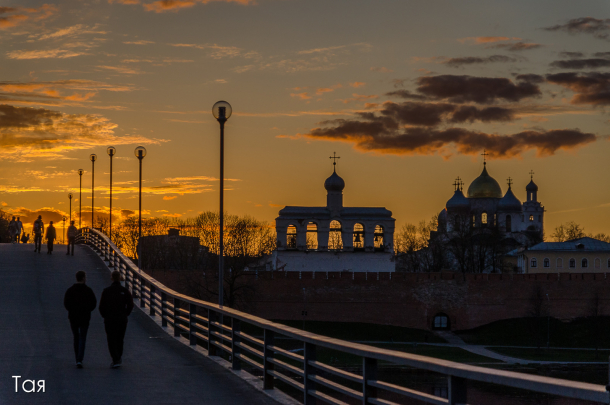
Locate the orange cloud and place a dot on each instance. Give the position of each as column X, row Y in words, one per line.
column 486, row 40
column 162, row 6
column 302, row 96
column 357, row 84
column 43, row 54
column 169, row 197
column 36, row 14
column 124, row 1
column 80, row 97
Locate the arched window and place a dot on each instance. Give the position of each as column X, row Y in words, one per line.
column 441, row 321
column 531, row 218
column 474, row 221
column 560, row 263
column 291, row 237
column 358, row 238
column 378, row 241
column 312, row 236
column 584, row 263
column 598, row 263
column 572, row 263
column 534, row 262
column 335, row 242
column 547, row 262
column 484, row 218
column 509, row 223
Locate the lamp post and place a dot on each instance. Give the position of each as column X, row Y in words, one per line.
column 140, row 152
column 63, row 236
column 111, row 152
column 70, row 198
column 80, row 198
column 221, row 111
column 93, row 158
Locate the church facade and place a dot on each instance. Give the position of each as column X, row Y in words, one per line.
column 334, row 237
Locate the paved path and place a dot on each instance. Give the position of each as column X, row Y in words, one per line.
column 36, row 343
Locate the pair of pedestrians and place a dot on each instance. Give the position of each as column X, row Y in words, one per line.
column 15, row 227
column 116, row 304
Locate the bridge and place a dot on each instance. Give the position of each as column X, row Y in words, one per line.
column 180, row 350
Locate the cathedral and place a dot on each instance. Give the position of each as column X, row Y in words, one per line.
column 486, row 207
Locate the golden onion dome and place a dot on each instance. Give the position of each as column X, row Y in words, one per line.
column 484, row 186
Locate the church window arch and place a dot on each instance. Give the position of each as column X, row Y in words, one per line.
column 509, row 223
column 335, row 242
column 378, row 241
column 484, row 218
column 358, row 238
column 560, row 263
column 598, row 263
column 312, row 236
column 291, row 237
column 572, row 263
column 546, row 262
column 584, row 263
column 531, row 218
column 534, row 262
column 441, row 321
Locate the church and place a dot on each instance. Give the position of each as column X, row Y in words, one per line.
column 334, row 237
column 485, row 206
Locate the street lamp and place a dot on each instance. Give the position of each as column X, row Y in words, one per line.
column 140, row 152
column 63, row 236
column 221, row 111
column 80, row 198
column 70, row 198
column 93, row 158
column 111, row 152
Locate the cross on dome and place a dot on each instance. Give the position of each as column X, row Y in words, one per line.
column 510, row 182
column 335, row 157
column 531, row 175
column 484, row 154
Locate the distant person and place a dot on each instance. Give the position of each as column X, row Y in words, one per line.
column 116, row 304
column 80, row 300
column 18, row 229
column 71, row 237
column 38, row 232
column 12, row 228
column 51, row 235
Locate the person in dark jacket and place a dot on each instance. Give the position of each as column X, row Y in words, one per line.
column 80, row 301
column 38, row 232
column 51, row 236
column 71, row 237
column 115, row 306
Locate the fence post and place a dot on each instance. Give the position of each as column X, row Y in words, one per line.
column 142, row 301
column 456, row 390
column 192, row 323
column 369, row 373
column 309, row 355
column 151, row 302
column 110, row 257
column 235, row 342
column 163, row 309
column 211, row 319
column 268, row 380
column 176, row 315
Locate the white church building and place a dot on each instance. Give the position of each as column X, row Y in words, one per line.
column 334, row 237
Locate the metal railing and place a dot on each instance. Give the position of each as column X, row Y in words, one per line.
column 219, row 331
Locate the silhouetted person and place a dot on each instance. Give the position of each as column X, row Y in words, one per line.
column 51, row 236
column 38, row 232
column 116, row 304
column 71, row 237
column 18, row 229
column 12, row 228
column 79, row 301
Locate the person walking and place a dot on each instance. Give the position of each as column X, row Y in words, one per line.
column 116, row 304
column 80, row 301
column 38, row 232
column 12, row 228
column 18, row 230
column 51, row 235
column 71, row 237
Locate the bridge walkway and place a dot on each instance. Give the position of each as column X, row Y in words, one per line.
column 36, row 343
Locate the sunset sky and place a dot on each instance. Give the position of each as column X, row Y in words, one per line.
column 408, row 93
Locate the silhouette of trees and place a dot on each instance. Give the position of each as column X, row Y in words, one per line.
column 571, row 230
column 4, row 221
column 413, row 250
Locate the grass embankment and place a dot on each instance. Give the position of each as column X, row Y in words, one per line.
column 532, row 332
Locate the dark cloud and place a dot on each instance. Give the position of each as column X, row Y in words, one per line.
column 473, row 60
column 590, row 88
column 530, row 78
column 427, row 141
column 572, row 55
column 602, row 54
column 18, row 117
column 482, row 90
column 4, row 10
column 406, row 94
column 581, row 63
column 471, row 114
column 517, row 46
column 584, row 25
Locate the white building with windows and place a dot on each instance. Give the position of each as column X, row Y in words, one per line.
column 334, row 237
column 583, row 255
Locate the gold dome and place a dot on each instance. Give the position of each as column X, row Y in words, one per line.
column 484, row 186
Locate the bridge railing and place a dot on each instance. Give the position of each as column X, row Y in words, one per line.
column 220, row 330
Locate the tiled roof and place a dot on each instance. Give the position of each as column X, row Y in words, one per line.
column 589, row 244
